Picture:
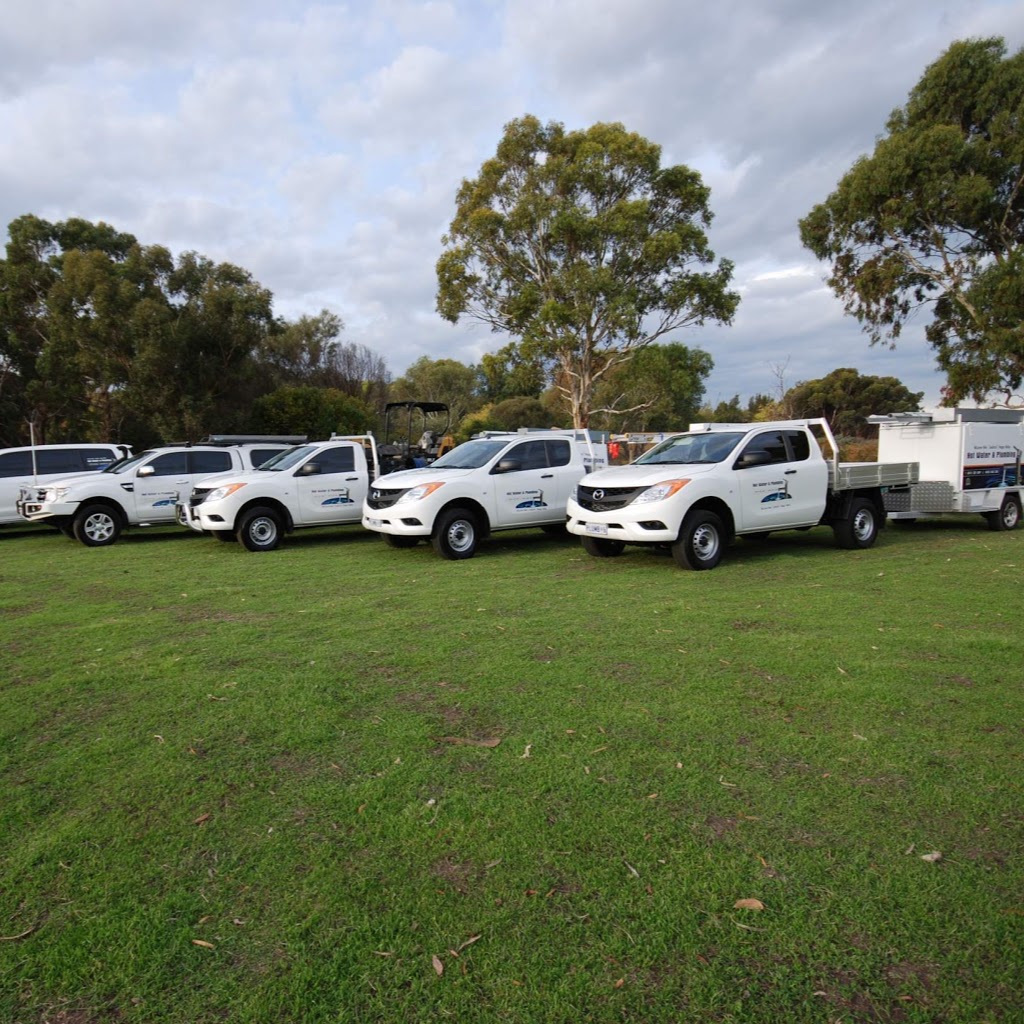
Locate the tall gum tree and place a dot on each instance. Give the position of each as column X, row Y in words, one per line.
column 934, row 217
column 584, row 249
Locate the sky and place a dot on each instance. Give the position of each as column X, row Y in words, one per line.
column 320, row 145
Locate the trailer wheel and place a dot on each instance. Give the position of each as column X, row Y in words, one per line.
column 96, row 526
column 700, row 541
column 260, row 530
column 602, row 547
column 1007, row 517
column 454, row 535
column 860, row 528
column 394, row 540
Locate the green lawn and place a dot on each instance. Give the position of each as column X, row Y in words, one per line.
column 340, row 782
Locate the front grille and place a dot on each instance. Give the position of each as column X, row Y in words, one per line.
column 379, row 498
column 611, row 498
column 198, row 496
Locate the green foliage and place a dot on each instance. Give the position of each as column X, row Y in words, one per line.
column 583, row 248
column 732, row 411
column 440, row 380
column 102, row 338
column 660, row 388
column 315, row 412
column 935, row 217
column 507, row 373
column 845, row 397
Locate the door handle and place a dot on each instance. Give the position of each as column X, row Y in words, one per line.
column 547, row 476
column 790, row 472
column 348, row 478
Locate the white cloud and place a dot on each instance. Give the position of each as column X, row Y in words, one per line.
column 320, row 144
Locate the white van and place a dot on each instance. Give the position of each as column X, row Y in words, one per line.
column 45, row 462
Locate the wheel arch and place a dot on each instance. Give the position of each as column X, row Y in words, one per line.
column 111, row 503
column 720, row 509
column 470, row 505
column 840, row 502
column 272, row 503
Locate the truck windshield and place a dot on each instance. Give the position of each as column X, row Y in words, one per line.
column 124, row 465
column 287, row 459
column 471, row 454
column 692, row 449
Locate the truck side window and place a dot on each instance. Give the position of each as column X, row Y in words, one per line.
column 170, row 464
column 771, row 442
column 59, row 460
column 800, row 445
column 558, row 452
column 15, row 464
column 337, row 460
column 210, row 462
column 532, row 455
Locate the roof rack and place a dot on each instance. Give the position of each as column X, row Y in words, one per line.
column 229, row 439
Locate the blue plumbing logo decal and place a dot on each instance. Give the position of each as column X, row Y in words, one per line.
column 339, row 499
column 528, row 499
column 165, row 502
column 773, row 491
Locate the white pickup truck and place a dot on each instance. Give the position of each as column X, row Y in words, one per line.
column 497, row 481
column 695, row 492
column 322, row 483
column 138, row 491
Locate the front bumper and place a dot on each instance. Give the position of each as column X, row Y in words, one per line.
column 204, row 518
column 387, row 521
column 37, row 511
column 635, row 525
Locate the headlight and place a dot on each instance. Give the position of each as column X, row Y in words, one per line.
column 415, row 493
column 55, row 493
column 659, row 492
column 223, row 492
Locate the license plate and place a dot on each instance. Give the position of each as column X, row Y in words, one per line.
column 597, row 529
column 374, row 522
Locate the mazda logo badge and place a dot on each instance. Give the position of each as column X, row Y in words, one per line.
column 376, row 494
column 598, row 494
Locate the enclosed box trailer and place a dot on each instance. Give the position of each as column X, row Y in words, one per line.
column 970, row 462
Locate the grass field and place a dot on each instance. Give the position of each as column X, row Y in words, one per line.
column 340, row 782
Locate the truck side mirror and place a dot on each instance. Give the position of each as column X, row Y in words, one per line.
column 145, row 471
column 508, row 466
column 309, row 469
column 748, row 459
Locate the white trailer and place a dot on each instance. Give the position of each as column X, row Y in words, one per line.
column 970, row 463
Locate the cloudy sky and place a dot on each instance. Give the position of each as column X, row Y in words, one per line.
column 320, row 145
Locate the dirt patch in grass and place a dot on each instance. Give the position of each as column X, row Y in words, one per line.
column 457, row 875
column 301, row 766
column 720, row 826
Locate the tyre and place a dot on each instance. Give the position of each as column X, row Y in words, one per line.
column 1008, row 516
column 224, row 536
column 701, row 540
column 455, row 534
column 96, row 526
column 601, row 547
column 260, row 530
column 394, row 540
column 860, row 527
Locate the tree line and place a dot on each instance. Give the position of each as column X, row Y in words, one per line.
column 579, row 247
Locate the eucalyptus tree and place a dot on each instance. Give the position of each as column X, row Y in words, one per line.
column 584, row 249
column 933, row 221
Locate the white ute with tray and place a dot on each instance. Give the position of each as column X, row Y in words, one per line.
column 694, row 492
